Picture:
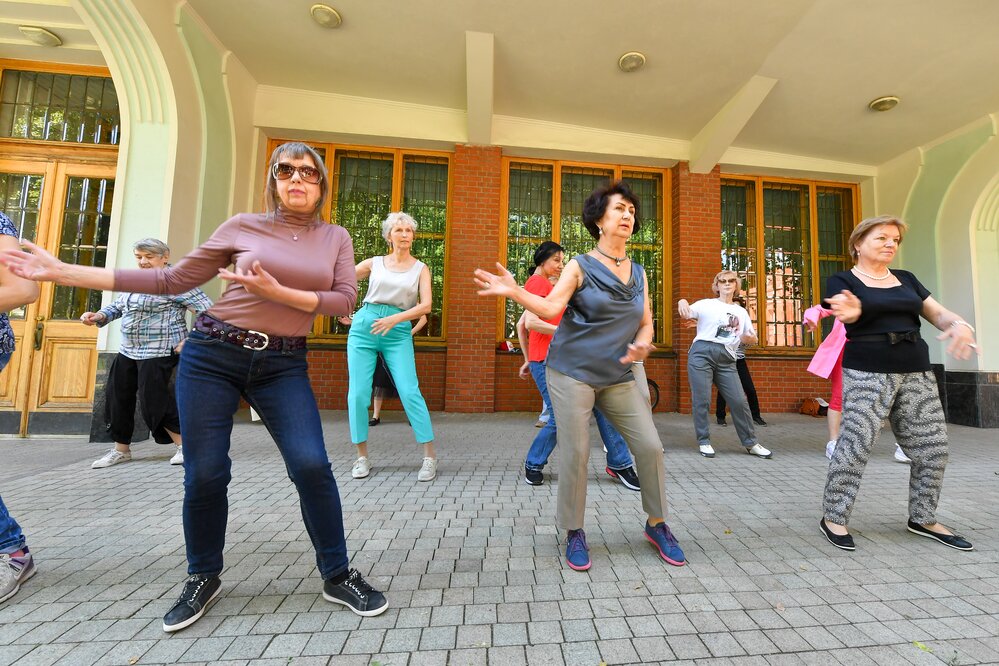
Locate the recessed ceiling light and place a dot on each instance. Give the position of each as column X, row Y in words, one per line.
column 631, row 61
column 40, row 36
column 886, row 103
column 325, row 16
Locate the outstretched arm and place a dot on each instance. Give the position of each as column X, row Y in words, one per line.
column 549, row 307
column 40, row 266
column 15, row 290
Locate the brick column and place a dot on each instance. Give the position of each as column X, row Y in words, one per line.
column 696, row 243
column 474, row 242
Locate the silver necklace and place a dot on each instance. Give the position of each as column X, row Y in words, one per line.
column 617, row 260
column 293, row 230
column 873, row 277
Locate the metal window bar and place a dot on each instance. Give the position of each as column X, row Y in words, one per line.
column 20, row 200
column 424, row 196
column 85, row 227
column 43, row 106
column 834, row 211
column 788, row 265
column 647, row 247
column 738, row 231
column 529, row 223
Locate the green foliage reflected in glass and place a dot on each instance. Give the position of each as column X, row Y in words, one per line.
column 83, row 241
column 59, row 107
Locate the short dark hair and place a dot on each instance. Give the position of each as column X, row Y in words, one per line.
column 546, row 251
column 596, row 205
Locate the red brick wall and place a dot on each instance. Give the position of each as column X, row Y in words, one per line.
column 474, row 242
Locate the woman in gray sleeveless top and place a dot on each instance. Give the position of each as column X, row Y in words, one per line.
column 606, row 330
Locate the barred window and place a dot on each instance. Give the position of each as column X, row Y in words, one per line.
column 534, row 204
column 47, row 106
column 784, row 239
column 367, row 185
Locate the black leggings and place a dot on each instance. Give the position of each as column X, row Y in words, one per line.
column 747, row 386
column 150, row 379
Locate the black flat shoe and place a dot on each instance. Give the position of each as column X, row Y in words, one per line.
column 758, row 420
column 952, row 540
column 374, row 422
column 721, row 422
column 844, row 541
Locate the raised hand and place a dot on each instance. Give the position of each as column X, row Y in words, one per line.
column 962, row 342
column 501, row 284
column 845, row 306
column 683, row 308
column 35, row 264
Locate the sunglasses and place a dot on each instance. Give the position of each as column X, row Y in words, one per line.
column 284, row 171
column 728, row 281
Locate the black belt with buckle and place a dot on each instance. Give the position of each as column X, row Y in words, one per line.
column 890, row 338
column 243, row 337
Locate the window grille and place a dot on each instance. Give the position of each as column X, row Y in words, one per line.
column 20, row 200
column 529, row 223
column 46, row 106
column 85, row 226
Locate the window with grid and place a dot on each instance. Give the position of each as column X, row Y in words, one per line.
column 365, row 190
column 784, row 239
column 47, row 106
column 534, row 202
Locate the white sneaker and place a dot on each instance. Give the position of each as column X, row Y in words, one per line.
column 900, row 455
column 759, row 451
column 707, row 451
column 112, row 457
column 178, row 458
column 361, row 468
column 830, row 447
column 428, row 471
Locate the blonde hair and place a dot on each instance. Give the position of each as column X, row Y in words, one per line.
column 738, row 282
column 861, row 230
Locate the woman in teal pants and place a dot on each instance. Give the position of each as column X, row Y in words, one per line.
column 398, row 292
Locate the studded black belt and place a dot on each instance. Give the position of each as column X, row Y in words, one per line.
column 243, row 337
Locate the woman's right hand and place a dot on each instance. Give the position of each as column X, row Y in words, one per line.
column 36, row 264
column 525, row 370
column 683, row 307
column 501, row 284
column 845, row 306
column 92, row 318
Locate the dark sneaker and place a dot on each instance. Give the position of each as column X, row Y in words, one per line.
column 758, row 420
column 199, row 591
column 577, row 555
column 356, row 594
column 533, row 477
column 662, row 538
column 13, row 572
column 844, row 541
column 721, row 421
column 952, row 540
column 627, row 477
column 374, row 421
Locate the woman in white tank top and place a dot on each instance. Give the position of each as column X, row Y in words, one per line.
column 399, row 291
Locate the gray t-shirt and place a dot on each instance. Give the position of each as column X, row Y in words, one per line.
column 601, row 320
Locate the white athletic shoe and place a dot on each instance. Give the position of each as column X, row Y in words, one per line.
column 830, row 447
column 428, row 471
column 112, row 457
column 361, row 468
column 178, row 458
column 707, row 450
column 900, row 456
column 759, row 451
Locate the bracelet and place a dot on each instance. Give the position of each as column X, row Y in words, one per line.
column 961, row 322
column 638, row 362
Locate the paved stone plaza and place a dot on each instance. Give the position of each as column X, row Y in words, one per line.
column 471, row 562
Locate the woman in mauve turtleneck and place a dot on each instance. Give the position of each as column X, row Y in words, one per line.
column 283, row 268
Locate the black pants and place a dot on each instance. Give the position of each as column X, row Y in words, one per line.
column 150, row 380
column 747, row 386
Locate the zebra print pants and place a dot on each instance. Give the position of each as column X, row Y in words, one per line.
column 911, row 402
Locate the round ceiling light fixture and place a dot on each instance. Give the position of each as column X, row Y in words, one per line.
column 40, row 36
column 886, row 103
column 632, row 61
column 325, row 16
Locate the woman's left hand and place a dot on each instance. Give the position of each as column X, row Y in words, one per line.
column 489, row 284
column 962, row 342
column 637, row 351
column 384, row 325
column 255, row 280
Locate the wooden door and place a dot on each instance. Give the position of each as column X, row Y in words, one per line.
column 48, row 387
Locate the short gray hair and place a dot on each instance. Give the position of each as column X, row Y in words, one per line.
column 153, row 245
column 396, row 218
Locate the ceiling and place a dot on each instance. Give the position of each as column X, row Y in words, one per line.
column 555, row 60
column 56, row 16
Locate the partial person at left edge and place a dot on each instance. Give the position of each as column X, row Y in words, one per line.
column 16, row 564
column 284, row 267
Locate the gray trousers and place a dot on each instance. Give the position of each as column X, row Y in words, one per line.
column 707, row 363
column 911, row 402
column 627, row 407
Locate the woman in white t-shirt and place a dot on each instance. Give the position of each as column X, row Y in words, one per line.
column 722, row 325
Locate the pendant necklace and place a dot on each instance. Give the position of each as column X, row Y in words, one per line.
column 873, row 277
column 617, row 260
column 293, row 230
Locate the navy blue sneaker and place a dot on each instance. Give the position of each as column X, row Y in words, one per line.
column 662, row 538
column 577, row 555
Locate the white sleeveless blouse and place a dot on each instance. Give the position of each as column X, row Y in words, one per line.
column 387, row 287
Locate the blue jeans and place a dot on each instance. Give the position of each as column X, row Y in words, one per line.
column 618, row 456
column 396, row 348
column 211, row 378
column 11, row 537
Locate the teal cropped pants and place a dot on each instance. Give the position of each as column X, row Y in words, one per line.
column 396, row 347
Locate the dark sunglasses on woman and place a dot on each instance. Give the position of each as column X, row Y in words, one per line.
column 284, row 171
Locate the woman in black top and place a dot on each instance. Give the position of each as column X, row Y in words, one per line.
column 886, row 374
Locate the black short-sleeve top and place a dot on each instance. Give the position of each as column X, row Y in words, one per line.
column 884, row 310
